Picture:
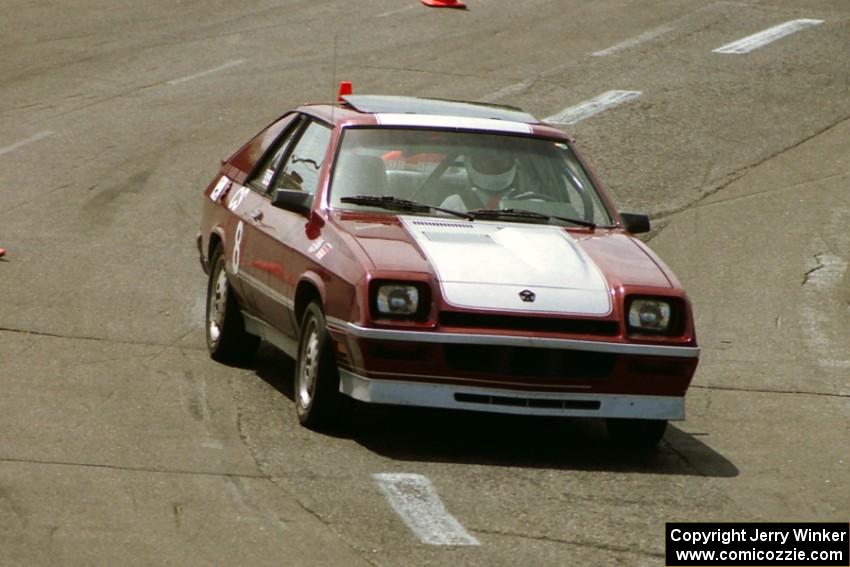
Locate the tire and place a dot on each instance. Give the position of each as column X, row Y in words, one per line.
column 636, row 434
column 317, row 397
column 227, row 340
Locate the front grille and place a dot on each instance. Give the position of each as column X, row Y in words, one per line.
column 549, row 403
column 397, row 350
column 551, row 365
column 524, row 323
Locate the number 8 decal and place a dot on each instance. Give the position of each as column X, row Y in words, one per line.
column 236, row 249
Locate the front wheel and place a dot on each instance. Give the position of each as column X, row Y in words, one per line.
column 636, row 434
column 227, row 340
column 317, row 397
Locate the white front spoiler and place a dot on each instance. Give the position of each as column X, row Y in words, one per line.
column 496, row 400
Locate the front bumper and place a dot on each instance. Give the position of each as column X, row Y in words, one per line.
column 531, row 375
column 495, row 400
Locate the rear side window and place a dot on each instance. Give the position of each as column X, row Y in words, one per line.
column 301, row 170
column 248, row 156
column 264, row 174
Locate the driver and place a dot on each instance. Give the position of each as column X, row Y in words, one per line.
column 491, row 175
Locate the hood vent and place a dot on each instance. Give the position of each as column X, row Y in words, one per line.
column 441, row 224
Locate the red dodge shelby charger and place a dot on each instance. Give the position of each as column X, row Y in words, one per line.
column 444, row 254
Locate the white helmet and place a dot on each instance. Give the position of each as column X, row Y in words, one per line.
column 491, row 170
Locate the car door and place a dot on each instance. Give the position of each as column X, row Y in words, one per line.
column 277, row 231
column 247, row 204
column 239, row 254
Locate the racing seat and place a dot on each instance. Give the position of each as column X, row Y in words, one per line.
column 361, row 175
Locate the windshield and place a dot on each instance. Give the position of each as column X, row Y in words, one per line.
column 464, row 171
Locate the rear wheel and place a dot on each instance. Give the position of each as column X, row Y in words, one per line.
column 227, row 340
column 636, row 434
column 317, row 397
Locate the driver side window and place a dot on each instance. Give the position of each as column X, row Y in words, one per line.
column 301, row 170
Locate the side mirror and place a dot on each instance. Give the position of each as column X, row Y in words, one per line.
column 636, row 223
column 295, row 201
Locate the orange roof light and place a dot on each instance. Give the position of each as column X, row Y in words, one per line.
column 344, row 89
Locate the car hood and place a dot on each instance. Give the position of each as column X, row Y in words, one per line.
column 511, row 266
column 492, row 265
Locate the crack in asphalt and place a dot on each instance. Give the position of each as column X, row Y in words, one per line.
column 820, row 266
column 97, row 339
column 760, row 391
column 133, row 469
column 684, row 458
column 31, row 73
column 124, row 93
column 599, row 546
column 737, row 175
column 775, row 190
column 276, row 481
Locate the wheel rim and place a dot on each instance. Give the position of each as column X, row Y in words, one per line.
column 217, row 306
column 309, row 366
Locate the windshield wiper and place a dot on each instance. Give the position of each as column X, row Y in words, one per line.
column 523, row 214
column 390, row 202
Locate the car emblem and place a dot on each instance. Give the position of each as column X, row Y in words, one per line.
column 527, row 295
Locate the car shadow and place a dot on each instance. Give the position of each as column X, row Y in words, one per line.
column 435, row 435
column 417, row 434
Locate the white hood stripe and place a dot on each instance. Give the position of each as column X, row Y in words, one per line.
column 487, row 265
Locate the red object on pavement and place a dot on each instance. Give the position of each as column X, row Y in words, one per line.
column 444, row 3
column 2, row 252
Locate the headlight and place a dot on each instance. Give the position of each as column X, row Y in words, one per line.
column 651, row 315
column 397, row 299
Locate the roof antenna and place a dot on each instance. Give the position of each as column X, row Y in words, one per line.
column 344, row 86
column 333, row 79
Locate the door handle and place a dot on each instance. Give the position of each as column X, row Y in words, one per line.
column 255, row 216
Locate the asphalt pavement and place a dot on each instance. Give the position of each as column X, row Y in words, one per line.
column 122, row 442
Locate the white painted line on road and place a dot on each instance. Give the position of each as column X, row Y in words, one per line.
column 507, row 91
column 588, row 108
column 227, row 65
column 769, row 35
column 21, row 143
column 637, row 40
column 414, row 499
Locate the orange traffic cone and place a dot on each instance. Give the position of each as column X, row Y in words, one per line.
column 444, row 3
